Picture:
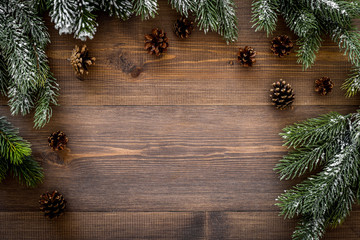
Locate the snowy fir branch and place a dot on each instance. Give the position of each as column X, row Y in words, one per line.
column 23, row 38
column 310, row 20
column 329, row 144
column 15, row 156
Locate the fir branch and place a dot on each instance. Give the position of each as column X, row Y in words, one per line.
column 265, row 15
column 308, row 48
column 349, row 41
column 63, row 14
column 319, row 193
column 301, row 21
column 325, row 199
column 85, row 23
column 340, row 12
column 309, row 229
column 352, row 84
column 299, row 161
column 15, row 156
column 4, row 77
column 23, row 38
column 145, row 8
column 120, row 8
column 183, row 6
column 47, row 96
column 227, row 20
column 28, row 173
column 312, row 131
column 206, row 15
column 13, row 148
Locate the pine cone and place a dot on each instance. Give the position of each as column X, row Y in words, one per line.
column 246, row 56
column 183, row 27
column 281, row 45
column 282, row 95
column 323, row 86
column 52, row 204
column 58, row 140
column 81, row 61
column 156, row 42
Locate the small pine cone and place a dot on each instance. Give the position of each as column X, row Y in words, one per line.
column 282, row 95
column 81, row 61
column 52, row 204
column 281, row 45
column 58, row 140
column 156, row 42
column 183, row 27
column 323, row 86
column 246, row 56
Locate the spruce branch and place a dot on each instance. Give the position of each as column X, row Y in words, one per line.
column 349, row 41
column 145, row 8
column 206, row 15
column 23, row 38
column 314, row 130
column 265, row 15
column 15, row 156
column 308, row 48
column 28, row 173
column 119, row 8
column 183, row 6
column 13, row 148
column 227, row 20
column 352, row 84
column 331, row 144
column 47, row 96
column 340, row 12
column 85, row 23
column 309, row 229
column 63, row 14
column 4, row 77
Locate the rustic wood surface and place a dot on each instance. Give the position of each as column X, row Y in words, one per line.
column 185, row 150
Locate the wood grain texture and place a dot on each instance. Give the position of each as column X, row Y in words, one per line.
column 183, row 151
column 161, row 225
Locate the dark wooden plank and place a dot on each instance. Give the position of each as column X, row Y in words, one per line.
column 161, row 158
column 270, row 226
column 194, row 72
column 97, row 225
column 161, row 225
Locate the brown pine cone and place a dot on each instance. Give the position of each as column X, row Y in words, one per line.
column 52, row 204
column 58, row 140
column 156, row 42
column 81, row 61
column 183, row 27
column 323, row 86
column 246, row 56
column 281, row 45
column 282, row 95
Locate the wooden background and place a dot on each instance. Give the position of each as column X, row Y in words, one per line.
column 183, row 151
